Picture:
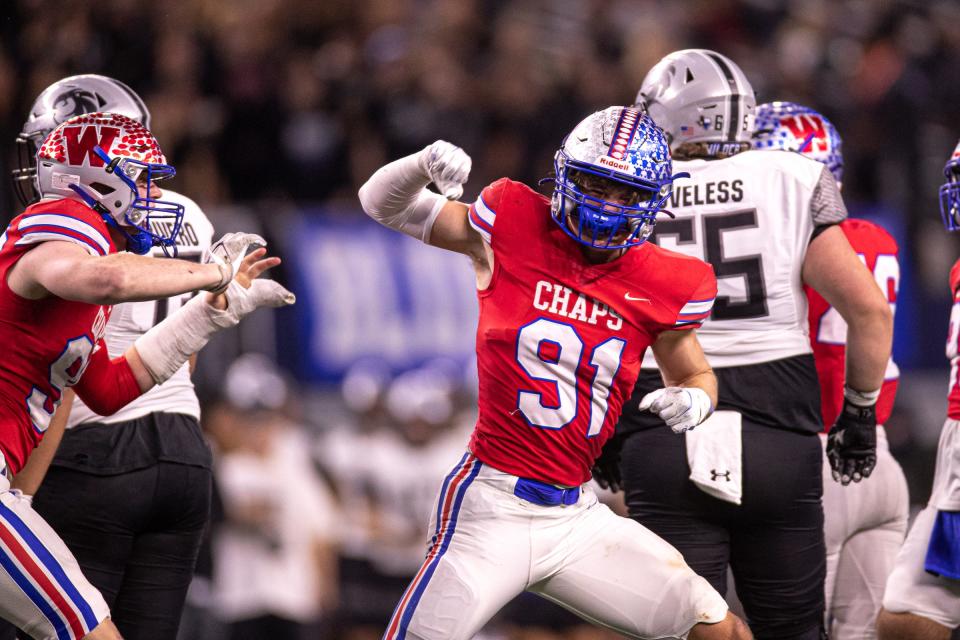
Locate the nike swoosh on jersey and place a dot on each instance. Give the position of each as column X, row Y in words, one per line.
column 632, row 299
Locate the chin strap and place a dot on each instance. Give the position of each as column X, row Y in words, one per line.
column 138, row 243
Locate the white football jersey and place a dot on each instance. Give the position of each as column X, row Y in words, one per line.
column 751, row 216
column 130, row 320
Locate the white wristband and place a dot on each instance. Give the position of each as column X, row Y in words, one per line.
column 396, row 196
column 861, row 398
column 164, row 348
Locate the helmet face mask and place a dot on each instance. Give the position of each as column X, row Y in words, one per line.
column 792, row 127
column 111, row 163
column 64, row 99
column 613, row 176
column 950, row 192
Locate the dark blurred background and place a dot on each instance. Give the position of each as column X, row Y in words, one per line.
column 276, row 111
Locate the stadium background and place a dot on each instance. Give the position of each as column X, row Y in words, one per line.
column 275, row 112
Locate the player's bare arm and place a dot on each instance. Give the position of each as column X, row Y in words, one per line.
column 107, row 385
column 396, row 196
column 682, row 362
column 29, row 478
column 245, row 294
column 66, row 270
column 690, row 393
column 833, row 269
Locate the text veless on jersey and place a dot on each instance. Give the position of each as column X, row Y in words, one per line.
column 718, row 192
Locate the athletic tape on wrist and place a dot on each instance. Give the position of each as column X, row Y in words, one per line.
column 164, row 348
column 861, row 398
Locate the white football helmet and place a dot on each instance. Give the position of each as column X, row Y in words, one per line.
column 58, row 103
column 98, row 159
column 698, row 95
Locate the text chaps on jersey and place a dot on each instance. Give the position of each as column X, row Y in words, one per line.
column 564, row 301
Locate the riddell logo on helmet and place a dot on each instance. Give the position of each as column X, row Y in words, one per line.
column 81, row 140
column 613, row 163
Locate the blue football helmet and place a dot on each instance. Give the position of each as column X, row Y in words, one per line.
column 950, row 192
column 792, row 127
column 621, row 145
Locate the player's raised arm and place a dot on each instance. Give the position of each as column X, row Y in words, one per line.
column 396, row 196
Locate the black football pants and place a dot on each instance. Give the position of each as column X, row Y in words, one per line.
column 136, row 536
column 773, row 541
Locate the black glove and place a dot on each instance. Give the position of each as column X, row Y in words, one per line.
column 852, row 443
column 606, row 468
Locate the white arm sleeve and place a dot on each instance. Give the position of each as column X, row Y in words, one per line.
column 396, row 196
column 164, row 348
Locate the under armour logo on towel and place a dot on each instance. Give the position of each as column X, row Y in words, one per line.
column 716, row 474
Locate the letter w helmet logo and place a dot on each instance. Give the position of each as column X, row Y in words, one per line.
column 80, row 141
column 809, row 131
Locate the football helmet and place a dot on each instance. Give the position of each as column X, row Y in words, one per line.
column 58, row 103
column 950, row 192
column 98, row 159
column 793, row 127
column 698, row 95
column 622, row 146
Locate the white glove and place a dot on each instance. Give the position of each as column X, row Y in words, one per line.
column 242, row 301
column 682, row 408
column 448, row 167
column 164, row 348
column 227, row 253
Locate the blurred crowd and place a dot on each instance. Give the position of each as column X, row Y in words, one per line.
column 282, row 105
column 285, row 101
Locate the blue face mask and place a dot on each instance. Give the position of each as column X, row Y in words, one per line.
column 149, row 222
column 950, row 195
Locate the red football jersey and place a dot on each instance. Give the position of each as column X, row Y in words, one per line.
column 828, row 331
column 48, row 341
column 953, row 345
column 559, row 340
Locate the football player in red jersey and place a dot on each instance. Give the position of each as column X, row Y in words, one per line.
column 864, row 523
column 63, row 265
column 922, row 597
column 570, row 298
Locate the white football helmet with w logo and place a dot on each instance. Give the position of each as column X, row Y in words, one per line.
column 100, row 159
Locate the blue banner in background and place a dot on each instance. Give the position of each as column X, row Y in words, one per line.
column 364, row 290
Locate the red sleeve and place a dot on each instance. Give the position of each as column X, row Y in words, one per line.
column 107, row 385
column 483, row 212
column 699, row 303
column 955, row 278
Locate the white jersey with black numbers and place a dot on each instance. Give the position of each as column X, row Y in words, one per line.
column 130, row 320
column 751, row 216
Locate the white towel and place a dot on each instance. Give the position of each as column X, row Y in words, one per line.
column 714, row 452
